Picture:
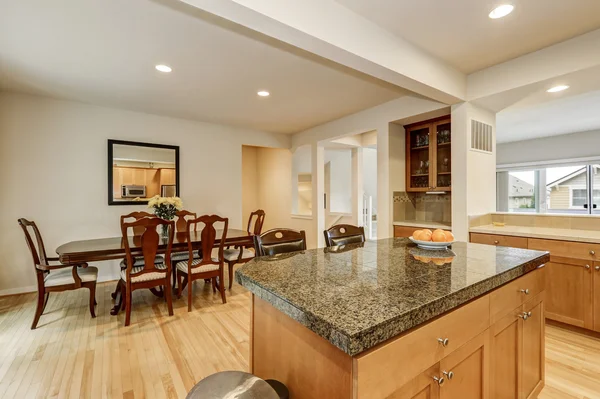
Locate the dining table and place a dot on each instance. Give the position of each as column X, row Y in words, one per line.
column 110, row 248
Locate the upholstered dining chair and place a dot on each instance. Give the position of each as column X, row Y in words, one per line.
column 343, row 234
column 242, row 254
column 59, row 277
column 138, row 260
column 181, row 227
column 149, row 274
column 280, row 241
column 207, row 267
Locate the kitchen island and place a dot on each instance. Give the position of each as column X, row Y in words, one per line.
column 385, row 319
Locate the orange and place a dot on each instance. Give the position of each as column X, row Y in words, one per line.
column 449, row 236
column 438, row 236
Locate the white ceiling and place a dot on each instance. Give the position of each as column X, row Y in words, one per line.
column 104, row 52
column 460, row 32
column 529, row 112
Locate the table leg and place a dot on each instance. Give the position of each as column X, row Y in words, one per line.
column 118, row 300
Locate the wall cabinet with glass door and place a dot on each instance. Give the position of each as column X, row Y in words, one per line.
column 428, row 155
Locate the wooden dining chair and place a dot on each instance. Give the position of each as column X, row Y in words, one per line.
column 149, row 274
column 181, row 227
column 59, row 277
column 279, row 241
column 343, row 234
column 244, row 253
column 207, row 267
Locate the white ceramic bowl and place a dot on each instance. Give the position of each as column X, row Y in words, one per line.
column 431, row 244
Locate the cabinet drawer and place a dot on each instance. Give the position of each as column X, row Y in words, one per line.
column 515, row 293
column 389, row 366
column 502, row 241
column 567, row 249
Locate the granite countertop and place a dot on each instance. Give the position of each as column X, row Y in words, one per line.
column 550, row 233
column 360, row 295
column 423, row 224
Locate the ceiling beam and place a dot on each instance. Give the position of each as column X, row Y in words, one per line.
column 331, row 31
column 545, row 66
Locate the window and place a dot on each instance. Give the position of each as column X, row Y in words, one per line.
column 556, row 189
column 579, row 197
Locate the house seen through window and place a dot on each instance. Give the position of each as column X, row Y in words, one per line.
column 556, row 189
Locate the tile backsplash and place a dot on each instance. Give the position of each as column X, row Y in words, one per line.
column 422, row 207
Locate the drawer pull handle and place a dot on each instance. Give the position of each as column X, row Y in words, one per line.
column 592, row 253
column 525, row 291
column 587, row 267
column 444, row 341
column 525, row 315
column 439, row 380
column 597, row 268
column 449, row 375
column 496, row 242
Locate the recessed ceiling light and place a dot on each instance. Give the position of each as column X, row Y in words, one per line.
column 556, row 89
column 163, row 68
column 263, row 93
column 501, row 11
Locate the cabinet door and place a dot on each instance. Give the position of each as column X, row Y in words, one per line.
column 418, row 158
column 533, row 364
column 569, row 292
column 467, row 370
column 505, row 356
column 424, row 386
column 441, row 169
column 596, row 296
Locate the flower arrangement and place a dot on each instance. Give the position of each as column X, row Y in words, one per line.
column 165, row 207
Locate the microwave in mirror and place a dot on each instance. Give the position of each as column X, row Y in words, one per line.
column 139, row 171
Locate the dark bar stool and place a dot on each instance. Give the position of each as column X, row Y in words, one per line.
column 228, row 384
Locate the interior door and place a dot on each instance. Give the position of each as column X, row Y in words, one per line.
column 505, row 356
column 569, row 292
column 533, row 348
column 424, row 386
column 466, row 370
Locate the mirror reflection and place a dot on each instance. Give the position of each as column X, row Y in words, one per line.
column 139, row 171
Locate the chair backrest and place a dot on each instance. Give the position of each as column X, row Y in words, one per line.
column 38, row 253
column 208, row 237
column 181, row 222
column 280, row 241
column 138, row 230
column 258, row 224
column 343, row 234
column 149, row 241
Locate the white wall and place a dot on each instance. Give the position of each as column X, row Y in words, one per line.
column 340, row 187
column 53, row 169
column 566, row 146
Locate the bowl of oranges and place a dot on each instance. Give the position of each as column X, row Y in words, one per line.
column 437, row 239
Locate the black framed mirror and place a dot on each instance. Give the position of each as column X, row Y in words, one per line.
column 139, row 171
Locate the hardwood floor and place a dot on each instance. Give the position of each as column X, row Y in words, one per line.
column 73, row 355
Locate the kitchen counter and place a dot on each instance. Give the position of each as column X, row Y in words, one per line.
column 550, row 233
column 423, row 224
column 361, row 295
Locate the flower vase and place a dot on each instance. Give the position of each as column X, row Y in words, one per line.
column 165, row 230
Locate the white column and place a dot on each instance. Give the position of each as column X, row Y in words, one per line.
column 473, row 172
column 357, row 186
column 318, row 189
column 384, row 196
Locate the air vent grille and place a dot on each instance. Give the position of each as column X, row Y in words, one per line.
column 481, row 136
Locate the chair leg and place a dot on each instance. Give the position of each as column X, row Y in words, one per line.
column 190, row 292
column 117, row 288
column 127, row 306
column 46, row 301
column 230, row 264
column 168, row 293
column 214, row 284
column 222, row 286
column 38, row 310
column 123, row 294
column 92, row 299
